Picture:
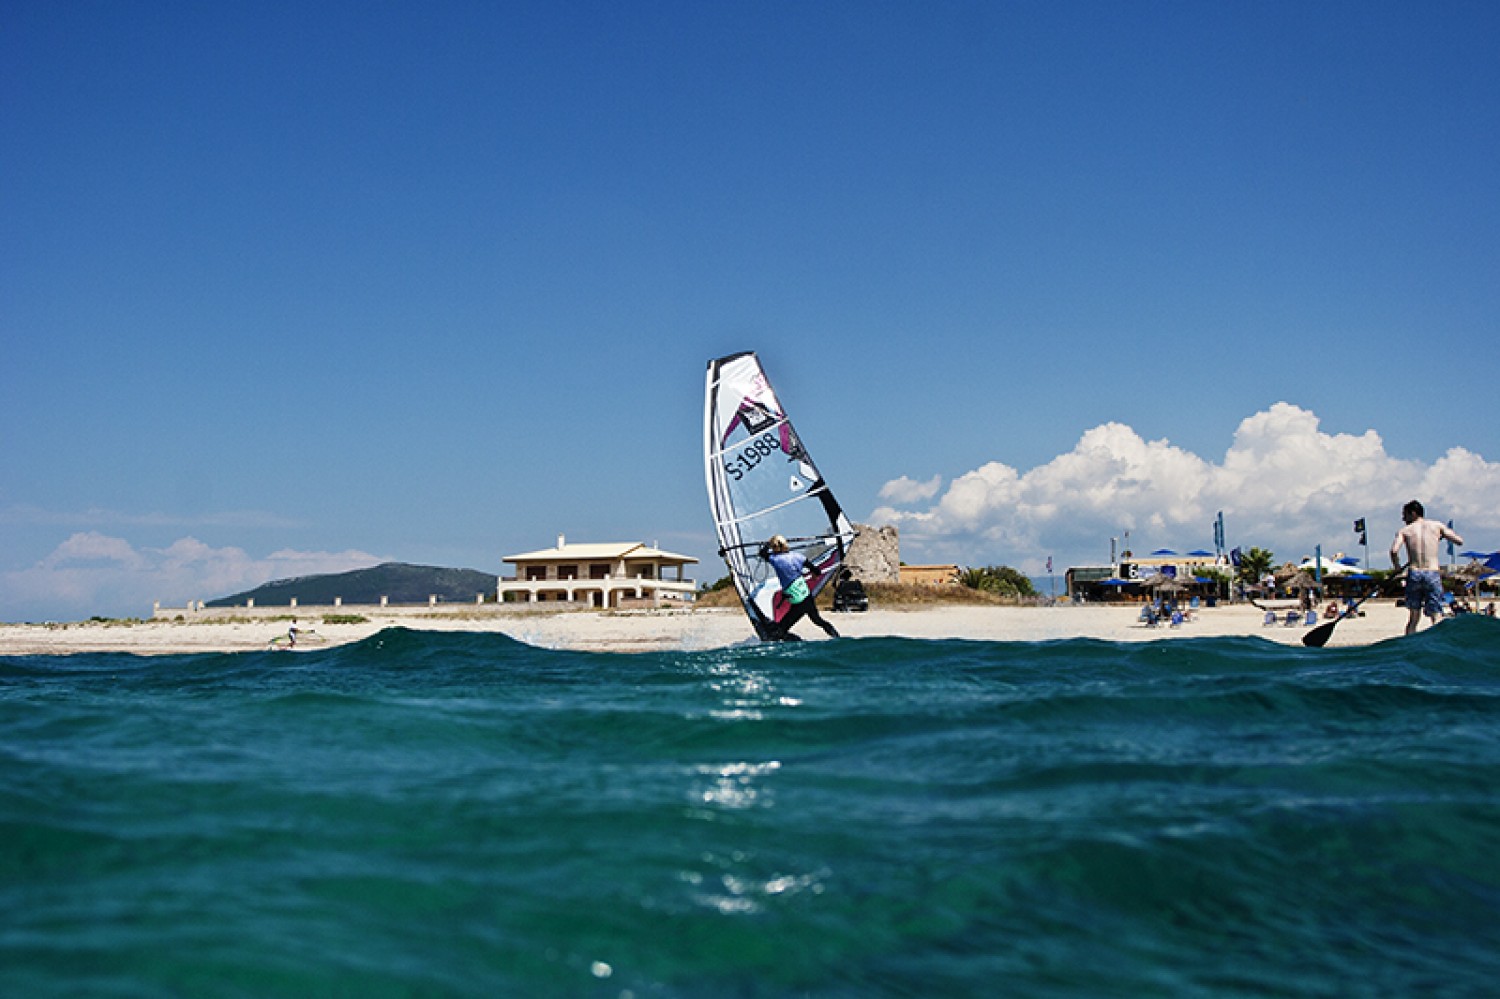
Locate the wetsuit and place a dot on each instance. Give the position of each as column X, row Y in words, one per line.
column 789, row 567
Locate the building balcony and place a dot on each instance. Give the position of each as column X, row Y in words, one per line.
column 611, row 591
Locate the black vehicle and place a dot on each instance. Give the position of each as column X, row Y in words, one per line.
column 849, row 594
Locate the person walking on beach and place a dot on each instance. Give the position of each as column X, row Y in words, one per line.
column 1424, row 582
column 789, row 566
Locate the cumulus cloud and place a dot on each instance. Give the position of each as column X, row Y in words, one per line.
column 1283, row 484
column 92, row 573
column 905, row 490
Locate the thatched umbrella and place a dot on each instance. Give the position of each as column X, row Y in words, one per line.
column 1162, row 583
column 1286, row 572
column 1472, row 573
column 1301, row 581
column 1473, row 570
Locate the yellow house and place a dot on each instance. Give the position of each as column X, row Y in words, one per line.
column 613, row 574
column 930, row 575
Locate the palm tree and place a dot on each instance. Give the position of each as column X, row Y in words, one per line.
column 1001, row 579
column 1254, row 564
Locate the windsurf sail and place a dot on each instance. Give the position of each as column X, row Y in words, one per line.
column 761, row 483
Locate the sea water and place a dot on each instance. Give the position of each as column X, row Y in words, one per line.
column 466, row 815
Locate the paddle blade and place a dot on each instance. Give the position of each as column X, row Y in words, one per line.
column 1318, row 637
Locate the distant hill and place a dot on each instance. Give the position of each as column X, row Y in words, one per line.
column 400, row 582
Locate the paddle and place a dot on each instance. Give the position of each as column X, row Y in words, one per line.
column 1318, row 637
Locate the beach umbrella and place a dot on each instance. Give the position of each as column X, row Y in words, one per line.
column 1300, row 581
column 1200, row 553
column 1115, row 583
column 1162, row 583
column 1474, row 571
column 1163, row 551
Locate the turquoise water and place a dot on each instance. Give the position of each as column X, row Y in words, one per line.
column 427, row 815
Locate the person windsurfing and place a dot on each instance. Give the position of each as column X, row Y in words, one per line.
column 789, row 566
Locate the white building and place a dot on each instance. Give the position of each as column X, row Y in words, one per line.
column 616, row 574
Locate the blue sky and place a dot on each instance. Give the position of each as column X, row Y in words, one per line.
column 291, row 287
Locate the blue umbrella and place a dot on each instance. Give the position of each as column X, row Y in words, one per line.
column 1475, row 554
column 1164, row 551
column 1200, row 553
column 1349, row 560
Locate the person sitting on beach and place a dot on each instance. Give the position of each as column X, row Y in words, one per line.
column 1332, row 610
column 789, row 567
column 1422, row 539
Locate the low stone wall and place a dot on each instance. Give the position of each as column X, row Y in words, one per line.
column 199, row 611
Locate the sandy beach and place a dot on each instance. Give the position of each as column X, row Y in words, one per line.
column 704, row 628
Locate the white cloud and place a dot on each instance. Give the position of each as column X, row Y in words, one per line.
column 91, row 550
column 1282, row 484
column 92, row 573
column 906, row 490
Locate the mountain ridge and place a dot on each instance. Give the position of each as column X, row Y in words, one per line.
column 398, row 582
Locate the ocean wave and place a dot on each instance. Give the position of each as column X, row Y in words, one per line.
column 439, row 813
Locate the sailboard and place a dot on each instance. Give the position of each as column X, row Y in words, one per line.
column 761, row 483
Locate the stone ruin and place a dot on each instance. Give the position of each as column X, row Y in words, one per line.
column 875, row 555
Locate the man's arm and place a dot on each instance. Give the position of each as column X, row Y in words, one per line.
column 1396, row 549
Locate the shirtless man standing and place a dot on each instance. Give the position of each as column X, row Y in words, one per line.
column 1424, row 583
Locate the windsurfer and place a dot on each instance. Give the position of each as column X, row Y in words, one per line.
column 789, row 566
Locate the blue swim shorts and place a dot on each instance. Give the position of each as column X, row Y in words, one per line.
column 1424, row 591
